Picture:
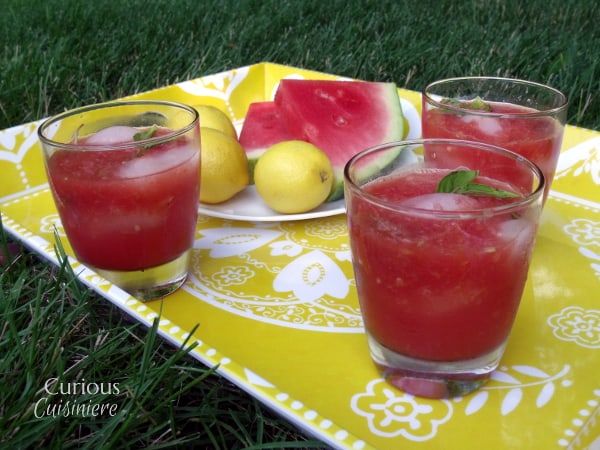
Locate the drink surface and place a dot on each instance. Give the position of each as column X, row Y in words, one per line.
column 129, row 208
column 537, row 138
column 433, row 287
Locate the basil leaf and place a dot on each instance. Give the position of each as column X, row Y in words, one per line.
column 143, row 135
column 456, row 180
column 146, row 134
column 460, row 182
column 477, row 104
column 483, row 189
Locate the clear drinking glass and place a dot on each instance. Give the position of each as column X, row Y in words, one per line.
column 125, row 180
column 440, row 275
column 523, row 116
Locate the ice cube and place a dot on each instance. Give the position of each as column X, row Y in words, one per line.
column 516, row 232
column 442, row 202
column 151, row 162
column 139, row 167
column 490, row 126
column 118, row 134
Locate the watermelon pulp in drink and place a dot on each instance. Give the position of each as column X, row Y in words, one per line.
column 507, row 125
column 437, row 281
column 128, row 208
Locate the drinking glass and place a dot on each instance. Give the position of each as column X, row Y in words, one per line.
column 523, row 116
column 440, row 271
column 125, row 180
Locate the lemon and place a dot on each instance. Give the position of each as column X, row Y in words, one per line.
column 213, row 117
column 223, row 168
column 293, row 177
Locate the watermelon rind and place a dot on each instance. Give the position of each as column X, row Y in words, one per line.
column 253, row 156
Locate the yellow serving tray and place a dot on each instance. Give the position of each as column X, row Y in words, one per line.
column 276, row 307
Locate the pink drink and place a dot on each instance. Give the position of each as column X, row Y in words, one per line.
column 125, row 177
column 440, row 267
column 130, row 208
column 537, row 138
column 425, row 284
column 525, row 117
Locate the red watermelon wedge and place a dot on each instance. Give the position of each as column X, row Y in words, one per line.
column 263, row 127
column 340, row 117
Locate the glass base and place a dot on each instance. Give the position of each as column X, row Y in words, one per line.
column 153, row 283
column 434, row 379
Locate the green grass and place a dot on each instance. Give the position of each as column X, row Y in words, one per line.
column 56, row 331
column 58, row 54
column 62, row 53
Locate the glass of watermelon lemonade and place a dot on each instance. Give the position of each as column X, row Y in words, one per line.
column 523, row 116
column 125, row 180
column 441, row 252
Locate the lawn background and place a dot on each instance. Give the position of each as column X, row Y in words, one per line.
column 59, row 54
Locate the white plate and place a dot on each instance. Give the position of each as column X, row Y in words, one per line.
column 247, row 205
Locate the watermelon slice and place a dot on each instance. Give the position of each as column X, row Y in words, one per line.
column 340, row 117
column 263, row 127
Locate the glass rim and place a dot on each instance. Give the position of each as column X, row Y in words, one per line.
column 394, row 206
column 112, row 104
column 563, row 99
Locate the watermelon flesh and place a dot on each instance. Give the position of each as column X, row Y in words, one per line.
column 263, row 127
column 341, row 118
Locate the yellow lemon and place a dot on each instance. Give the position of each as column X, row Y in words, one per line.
column 223, row 168
column 293, row 177
column 213, row 117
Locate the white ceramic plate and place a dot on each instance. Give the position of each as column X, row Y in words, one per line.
column 247, row 205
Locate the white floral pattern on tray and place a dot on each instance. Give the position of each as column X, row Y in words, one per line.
column 581, row 160
column 586, row 233
column 390, row 413
column 304, row 285
column 578, row 325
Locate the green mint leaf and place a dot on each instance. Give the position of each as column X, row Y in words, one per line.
column 143, row 135
column 480, row 105
column 146, row 134
column 477, row 104
column 456, row 180
column 460, row 182
column 483, row 189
